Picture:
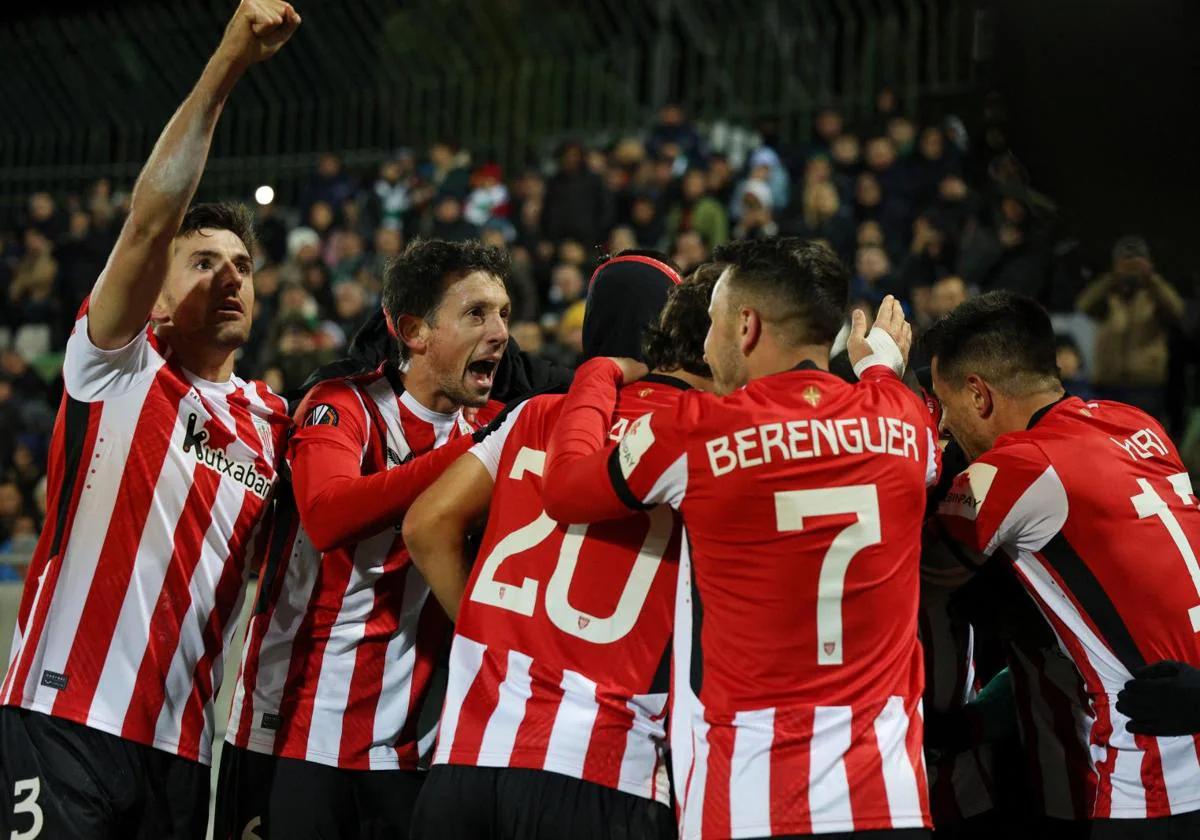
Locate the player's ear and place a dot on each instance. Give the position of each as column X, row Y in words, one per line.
column 751, row 330
column 981, row 396
column 414, row 332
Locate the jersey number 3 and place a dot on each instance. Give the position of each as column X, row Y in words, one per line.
column 792, row 507
column 523, row 598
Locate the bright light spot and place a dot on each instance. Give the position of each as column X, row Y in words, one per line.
column 264, row 195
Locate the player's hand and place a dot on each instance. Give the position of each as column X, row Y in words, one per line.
column 1162, row 699
column 259, row 28
column 631, row 369
column 889, row 321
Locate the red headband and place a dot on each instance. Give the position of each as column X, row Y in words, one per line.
column 650, row 261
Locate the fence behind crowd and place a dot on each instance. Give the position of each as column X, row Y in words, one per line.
column 85, row 95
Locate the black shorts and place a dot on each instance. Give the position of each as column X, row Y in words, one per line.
column 63, row 780
column 244, row 784
column 500, row 803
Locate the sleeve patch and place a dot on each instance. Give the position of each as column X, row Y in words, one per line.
column 637, row 441
column 969, row 492
column 322, row 414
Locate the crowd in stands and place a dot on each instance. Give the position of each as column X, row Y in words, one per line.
column 924, row 210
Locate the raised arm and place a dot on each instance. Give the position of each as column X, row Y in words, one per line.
column 137, row 267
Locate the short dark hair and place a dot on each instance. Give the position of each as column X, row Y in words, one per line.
column 414, row 282
column 226, row 215
column 806, row 282
column 1004, row 337
column 676, row 342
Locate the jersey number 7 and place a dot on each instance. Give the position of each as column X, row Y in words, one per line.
column 522, row 598
column 792, row 507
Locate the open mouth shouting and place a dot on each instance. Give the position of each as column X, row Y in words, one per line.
column 231, row 307
column 482, row 372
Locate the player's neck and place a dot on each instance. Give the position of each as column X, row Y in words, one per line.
column 209, row 363
column 420, row 383
column 1016, row 414
column 697, row 382
column 769, row 360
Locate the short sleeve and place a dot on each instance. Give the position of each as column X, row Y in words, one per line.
column 91, row 374
column 332, row 413
column 1011, row 498
column 649, row 466
column 495, row 435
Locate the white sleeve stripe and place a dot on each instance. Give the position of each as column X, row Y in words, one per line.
column 671, row 486
column 1036, row 517
column 491, row 448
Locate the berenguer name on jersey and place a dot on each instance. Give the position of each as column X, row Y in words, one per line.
column 797, row 439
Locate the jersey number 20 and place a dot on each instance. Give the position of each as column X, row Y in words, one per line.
column 522, row 598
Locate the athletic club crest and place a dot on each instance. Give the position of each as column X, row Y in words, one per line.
column 812, row 395
column 264, row 436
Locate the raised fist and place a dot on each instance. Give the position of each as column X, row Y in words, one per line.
column 259, row 28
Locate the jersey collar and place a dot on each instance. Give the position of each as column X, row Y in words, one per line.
column 808, row 364
column 1044, row 410
column 666, row 379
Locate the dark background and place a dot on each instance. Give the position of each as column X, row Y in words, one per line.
column 1102, row 98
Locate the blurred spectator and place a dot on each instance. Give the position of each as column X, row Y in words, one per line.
column 10, row 421
column 81, row 256
column 871, row 206
column 648, row 226
column 578, row 205
column 931, row 255
column 767, row 168
column 902, row 132
column 390, row 199
column 690, row 250
column 45, row 217
column 350, row 309
column 757, row 220
column 568, row 345
column 299, row 349
column 946, row 294
column 11, row 509
column 449, row 171
column 31, row 290
column 330, row 185
column 827, row 128
column 1135, row 308
column 272, row 232
column 389, row 242
column 697, row 211
column 621, row 239
column 823, row 217
column 1070, row 367
column 100, row 203
column 448, row 222
column 932, row 163
column 528, row 335
column 721, row 182
column 674, row 136
column 1012, row 254
column 351, row 256
column 566, row 288
column 489, row 196
column 846, row 155
column 873, row 278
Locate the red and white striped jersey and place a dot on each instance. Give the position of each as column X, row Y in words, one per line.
column 802, row 498
column 560, row 659
column 1055, row 722
column 342, row 646
column 1097, row 514
column 960, row 785
column 158, row 482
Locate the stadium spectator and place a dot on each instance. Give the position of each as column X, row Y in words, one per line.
column 1013, row 254
column 674, row 136
column 756, row 218
column 649, row 228
column 1136, row 308
column 577, row 205
column 1070, row 367
column 691, row 250
column 330, row 184
column 822, row 215
column 697, row 211
column 391, row 200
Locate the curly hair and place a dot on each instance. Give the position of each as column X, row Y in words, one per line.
column 226, row 215
column 676, row 342
column 414, row 282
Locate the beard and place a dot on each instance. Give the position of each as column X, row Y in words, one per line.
column 464, row 393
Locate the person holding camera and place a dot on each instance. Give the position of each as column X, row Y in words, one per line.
column 1135, row 309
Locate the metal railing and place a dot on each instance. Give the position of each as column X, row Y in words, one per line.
column 85, row 96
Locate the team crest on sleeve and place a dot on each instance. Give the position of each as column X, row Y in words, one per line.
column 322, row 414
